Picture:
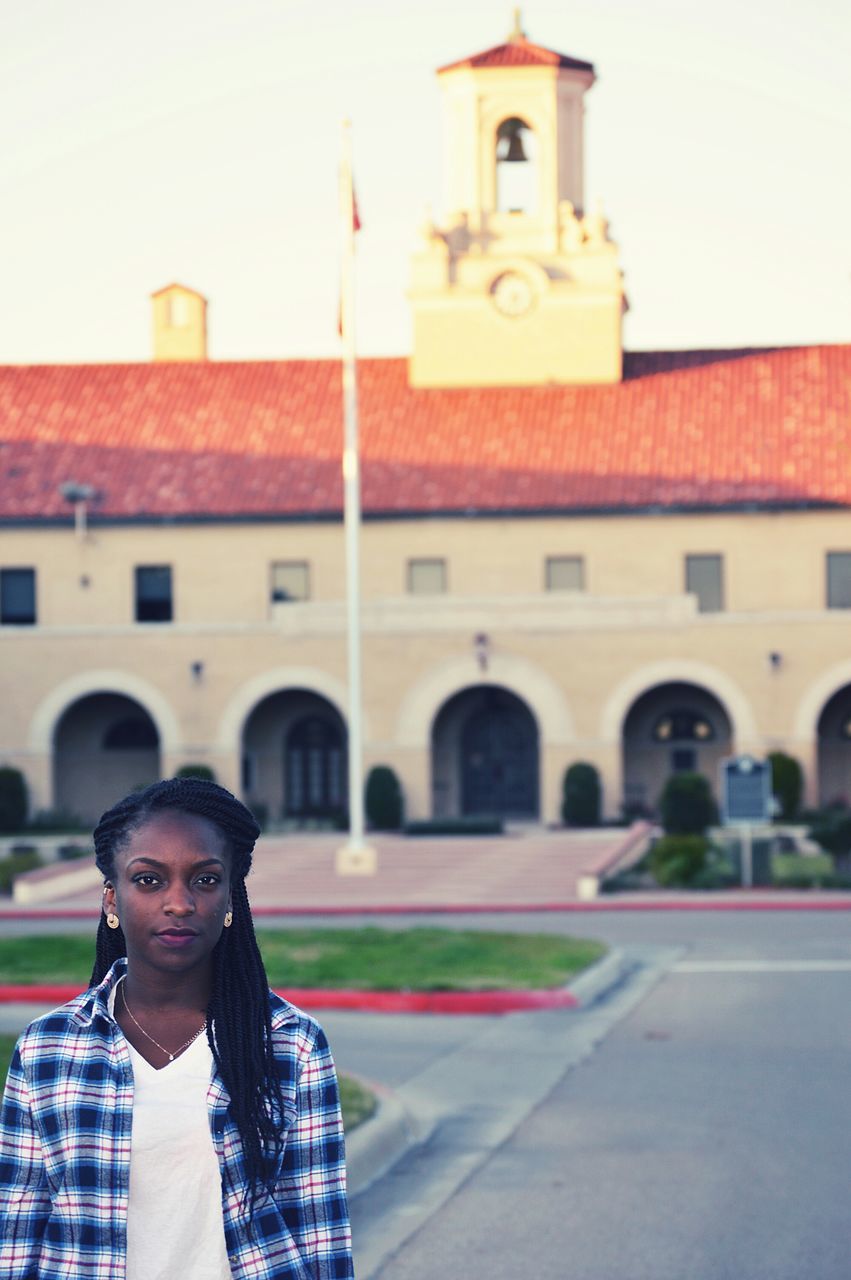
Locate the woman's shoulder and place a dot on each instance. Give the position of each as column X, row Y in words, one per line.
column 52, row 1032
column 292, row 1025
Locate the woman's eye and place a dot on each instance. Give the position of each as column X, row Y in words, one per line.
column 209, row 879
column 146, row 879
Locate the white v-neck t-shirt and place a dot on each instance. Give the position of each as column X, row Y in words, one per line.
column 174, row 1214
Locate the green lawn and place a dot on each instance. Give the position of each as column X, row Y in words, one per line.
column 357, row 1102
column 369, row 959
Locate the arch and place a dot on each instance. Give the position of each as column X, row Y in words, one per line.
column 671, row 728
column 485, row 755
column 294, row 748
column 679, row 671
column 51, row 709
column 105, row 745
column 816, row 698
column 277, row 680
column 518, row 676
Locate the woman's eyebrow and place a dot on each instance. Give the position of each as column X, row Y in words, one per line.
column 154, row 862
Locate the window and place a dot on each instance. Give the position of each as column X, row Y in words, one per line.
column 153, row 593
column 565, row 573
column 17, row 597
column 290, row 581
column 705, row 579
column 839, row 579
column 683, row 726
column 426, row 577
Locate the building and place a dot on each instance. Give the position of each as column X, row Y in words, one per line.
column 569, row 552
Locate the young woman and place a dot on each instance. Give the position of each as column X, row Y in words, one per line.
column 178, row 1121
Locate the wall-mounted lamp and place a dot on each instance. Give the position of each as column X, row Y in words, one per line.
column 481, row 648
column 197, row 669
column 78, row 495
column 775, row 661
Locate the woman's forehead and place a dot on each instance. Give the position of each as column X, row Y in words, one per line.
column 173, row 832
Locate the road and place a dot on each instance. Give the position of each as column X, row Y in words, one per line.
column 695, row 1124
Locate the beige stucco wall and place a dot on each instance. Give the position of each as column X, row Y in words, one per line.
column 579, row 660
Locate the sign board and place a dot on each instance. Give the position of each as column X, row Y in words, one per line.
column 746, row 797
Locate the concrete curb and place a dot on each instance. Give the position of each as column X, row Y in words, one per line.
column 779, row 900
column 377, row 1144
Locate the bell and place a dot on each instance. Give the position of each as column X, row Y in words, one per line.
column 515, row 153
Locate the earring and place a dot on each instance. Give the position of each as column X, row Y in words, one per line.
column 112, row 920
column 228, row 919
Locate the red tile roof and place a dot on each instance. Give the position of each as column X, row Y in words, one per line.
column 519, row 52
column 252, row 439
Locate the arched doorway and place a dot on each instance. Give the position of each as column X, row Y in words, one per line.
column 104, row 745
column 484, row 751
column 834, row 749
column 671, row 728
column 294, row 759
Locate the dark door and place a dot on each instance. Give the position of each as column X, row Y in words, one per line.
column 315, row 769
column 499, row 765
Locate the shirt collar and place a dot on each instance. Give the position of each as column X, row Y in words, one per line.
column 95, row 1002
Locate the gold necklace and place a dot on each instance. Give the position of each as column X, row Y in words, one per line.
column 171, row 1056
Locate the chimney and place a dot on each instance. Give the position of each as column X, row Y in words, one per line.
column 179, row 323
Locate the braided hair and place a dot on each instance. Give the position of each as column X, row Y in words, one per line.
column 239, row 1027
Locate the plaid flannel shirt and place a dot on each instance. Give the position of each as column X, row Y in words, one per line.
column 65, row 1136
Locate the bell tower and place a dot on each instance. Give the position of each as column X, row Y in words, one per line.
column 521, row 284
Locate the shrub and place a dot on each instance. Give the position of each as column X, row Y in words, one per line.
column 260, row 810
column 14, row 865
column 581, row 793
column 455, row 827
column 53, row 821
column 787, row 783
column 686, row 805
column 679, row 859
column 202, row 771
column 70, row 852
column 832, row 831
column 383, row 799
column 13, row 799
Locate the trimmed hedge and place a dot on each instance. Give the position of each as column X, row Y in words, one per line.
column 201, row 771
column 383, row 799
column 686, row 805
column 787, row 784
column 13, row 799
column 455, row 827
column 581, row 796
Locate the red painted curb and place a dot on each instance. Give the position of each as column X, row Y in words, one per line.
column 371, row 1001
column 780, row 903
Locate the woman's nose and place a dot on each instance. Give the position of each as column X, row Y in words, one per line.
column 180, row 901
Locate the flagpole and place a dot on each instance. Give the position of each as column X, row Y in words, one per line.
column 355, row 857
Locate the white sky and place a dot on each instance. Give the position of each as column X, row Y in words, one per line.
column 198, row 140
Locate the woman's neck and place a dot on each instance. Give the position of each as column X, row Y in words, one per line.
column 151, row 990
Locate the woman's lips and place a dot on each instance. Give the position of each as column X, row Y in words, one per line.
column 177, row 938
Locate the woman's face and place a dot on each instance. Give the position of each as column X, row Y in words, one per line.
column 171, row 890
